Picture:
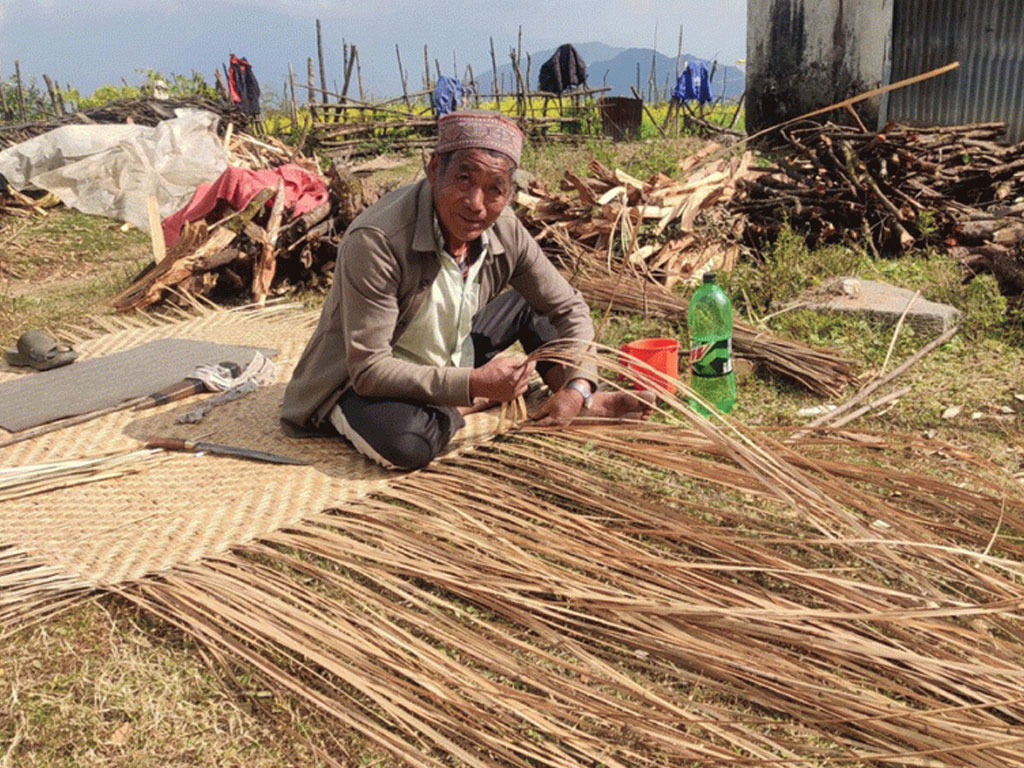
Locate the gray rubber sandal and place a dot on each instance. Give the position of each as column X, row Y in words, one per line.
column 39, row 350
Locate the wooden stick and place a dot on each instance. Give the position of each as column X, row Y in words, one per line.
column 320, row 57
column 156, row 231
column 222, row 89
column 838, row 105
column 494, row 76
column 4, row 112
column 739, row 104
column 679, row 52
column 19, row 90
column 54, row 426
column 519, row 47
column 426, row 71
column 348, row 72
column 870, row 407
column 309, row 83
column 293, row 107
column 896, row 332
column 476, row 91
column 53, row 96
column 401, row 74
column 359, row 72
column 638, row 96
column 266, row 263
column 866, row 391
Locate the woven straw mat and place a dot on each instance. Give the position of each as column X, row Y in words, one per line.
column 184, row 507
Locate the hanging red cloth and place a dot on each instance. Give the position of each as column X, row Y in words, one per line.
column 233, row 70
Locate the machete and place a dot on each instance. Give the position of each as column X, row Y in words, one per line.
column 185, row 388
column 195, row 446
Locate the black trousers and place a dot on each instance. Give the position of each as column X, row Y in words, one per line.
column 404, row 434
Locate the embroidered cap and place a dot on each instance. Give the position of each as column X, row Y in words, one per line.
column 479, row 130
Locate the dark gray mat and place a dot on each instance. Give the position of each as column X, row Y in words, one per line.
column 90, row 385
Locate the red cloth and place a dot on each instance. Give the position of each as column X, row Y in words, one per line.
column 303, row 191
column 232, row 85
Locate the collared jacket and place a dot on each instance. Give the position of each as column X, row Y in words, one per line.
column 387, row 261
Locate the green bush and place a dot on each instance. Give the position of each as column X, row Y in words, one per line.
column 178, row 86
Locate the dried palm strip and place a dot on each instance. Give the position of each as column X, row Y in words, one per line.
column 533, row 532
column 16, row 482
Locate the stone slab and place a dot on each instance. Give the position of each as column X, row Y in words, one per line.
column 883, row 302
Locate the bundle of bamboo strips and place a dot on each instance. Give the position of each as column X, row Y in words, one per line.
column 16, row 482
column 821, row 370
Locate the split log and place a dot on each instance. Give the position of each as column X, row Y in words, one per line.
column 266, row 264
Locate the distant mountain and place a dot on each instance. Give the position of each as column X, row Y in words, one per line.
column 617, row 69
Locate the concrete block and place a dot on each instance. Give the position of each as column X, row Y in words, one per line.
column 883, row 302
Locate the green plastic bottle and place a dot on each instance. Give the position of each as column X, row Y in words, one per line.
column 709, row 319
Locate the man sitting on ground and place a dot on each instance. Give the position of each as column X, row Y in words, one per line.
column 409, row 336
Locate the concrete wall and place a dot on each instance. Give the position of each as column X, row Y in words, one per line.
column 806, row 54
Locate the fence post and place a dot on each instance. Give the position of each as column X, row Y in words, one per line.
column 320, row 57
column 359, row 73
column 291, row 85
column 426, row 69
column 21, row 93
column 310, row 89
column 4, row 113
column 53, row 96
column 401, row 74
column 494, row 81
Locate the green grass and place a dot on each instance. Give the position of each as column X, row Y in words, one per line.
column 62, row 267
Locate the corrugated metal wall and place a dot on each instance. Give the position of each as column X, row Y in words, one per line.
column 985, row 36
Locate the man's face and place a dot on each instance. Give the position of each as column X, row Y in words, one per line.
column 469, row 193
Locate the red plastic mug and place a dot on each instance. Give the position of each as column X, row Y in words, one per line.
column 660, row 354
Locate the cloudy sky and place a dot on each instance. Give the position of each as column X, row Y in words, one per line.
column 92, row 44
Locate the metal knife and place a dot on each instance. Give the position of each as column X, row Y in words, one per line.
column 195, row 446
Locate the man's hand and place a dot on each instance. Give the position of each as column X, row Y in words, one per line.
column 560, row 409
column 502, row 379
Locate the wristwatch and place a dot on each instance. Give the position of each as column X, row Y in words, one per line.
column 584, row 388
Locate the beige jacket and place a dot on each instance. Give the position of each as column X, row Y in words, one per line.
column 386, row 265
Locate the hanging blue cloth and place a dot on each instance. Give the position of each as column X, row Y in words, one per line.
column 694, row 84
column 448, row 94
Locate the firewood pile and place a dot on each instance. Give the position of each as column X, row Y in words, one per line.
column 22, row 206
column 261, row 250
column 894, row 190
column 649, row 228
column 145, row 111
column 626, row 244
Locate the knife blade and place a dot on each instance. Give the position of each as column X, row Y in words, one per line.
column 196, row 446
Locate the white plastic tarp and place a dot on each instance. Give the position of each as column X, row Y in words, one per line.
column 110, row 170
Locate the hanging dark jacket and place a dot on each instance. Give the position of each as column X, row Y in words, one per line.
column 240, row 76
column 565, row 69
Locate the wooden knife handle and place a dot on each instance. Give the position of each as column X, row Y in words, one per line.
column 170, row 443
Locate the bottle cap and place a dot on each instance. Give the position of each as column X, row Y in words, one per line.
column 709, row 277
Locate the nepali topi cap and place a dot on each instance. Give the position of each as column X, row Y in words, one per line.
column 479, row 130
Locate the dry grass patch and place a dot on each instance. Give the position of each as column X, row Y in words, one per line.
column 106, row 685
column 60, row 268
